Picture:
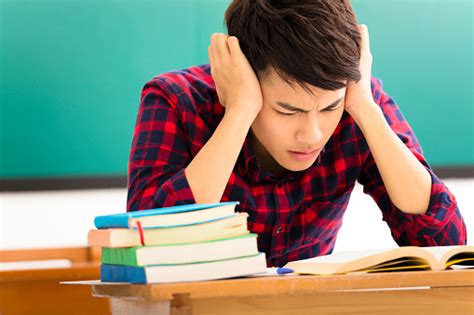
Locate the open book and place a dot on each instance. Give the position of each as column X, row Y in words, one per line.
column 402, row 258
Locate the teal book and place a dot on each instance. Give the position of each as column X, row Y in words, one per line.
column 223, row 228
column 168, row 217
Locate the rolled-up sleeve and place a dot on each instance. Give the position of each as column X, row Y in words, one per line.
column 442, row 224
column 159, row 152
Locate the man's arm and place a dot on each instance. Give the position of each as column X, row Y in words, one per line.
column 209, row 171
column 442, row 222
column 407, row 181
column 419, row 209
column 239, row 92
column 161, row 171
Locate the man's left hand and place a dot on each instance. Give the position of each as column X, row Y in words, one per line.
column 359, row 94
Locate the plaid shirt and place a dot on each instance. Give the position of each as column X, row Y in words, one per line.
column 297, row 215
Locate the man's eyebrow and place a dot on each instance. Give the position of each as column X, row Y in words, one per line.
column 297, row 109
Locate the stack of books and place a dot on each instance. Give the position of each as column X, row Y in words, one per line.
column 194, row 242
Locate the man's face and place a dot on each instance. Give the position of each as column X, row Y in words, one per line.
column 280, row 140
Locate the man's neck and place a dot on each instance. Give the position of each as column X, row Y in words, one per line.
column 264, row 158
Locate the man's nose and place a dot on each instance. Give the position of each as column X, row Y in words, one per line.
column 310, row 133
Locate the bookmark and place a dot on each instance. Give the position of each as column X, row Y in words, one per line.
column 140, row 232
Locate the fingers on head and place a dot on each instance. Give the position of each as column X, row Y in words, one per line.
column 234, row 45
column 364, row 33
column 212, row 61
column 363, row 27
column 364, row 30
column 219, row 46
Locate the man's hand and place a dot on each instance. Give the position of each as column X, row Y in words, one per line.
column 236, row 83
column 406, row 180
column 359, row 94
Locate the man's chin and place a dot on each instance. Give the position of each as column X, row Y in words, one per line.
column 299, row 167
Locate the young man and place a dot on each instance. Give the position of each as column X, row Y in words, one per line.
column 285, row 119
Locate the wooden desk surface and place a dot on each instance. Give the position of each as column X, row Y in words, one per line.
column 414, row 292
column 275, row 286
column 37, row 291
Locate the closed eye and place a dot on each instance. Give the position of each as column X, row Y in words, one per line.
column 286, row 114
column 296, row 110
column 328, row 109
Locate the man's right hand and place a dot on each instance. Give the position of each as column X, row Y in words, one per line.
column 236, row 83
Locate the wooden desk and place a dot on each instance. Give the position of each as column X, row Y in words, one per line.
column 37, row 291
column 415, row 292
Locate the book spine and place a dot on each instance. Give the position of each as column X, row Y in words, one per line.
column 98, row 238
column 117, row 273
column 120, row 256
column 112, row 221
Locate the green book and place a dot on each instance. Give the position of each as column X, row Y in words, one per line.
column 187, row 253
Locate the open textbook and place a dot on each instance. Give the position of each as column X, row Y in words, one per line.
column 397, row 259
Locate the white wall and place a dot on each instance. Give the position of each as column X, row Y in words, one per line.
column 56, row 219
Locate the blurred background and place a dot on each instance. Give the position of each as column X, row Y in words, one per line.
column 71, row 73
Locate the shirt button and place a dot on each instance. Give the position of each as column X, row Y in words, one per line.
column 280, row 228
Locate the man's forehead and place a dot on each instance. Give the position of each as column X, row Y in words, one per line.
column 278, row 80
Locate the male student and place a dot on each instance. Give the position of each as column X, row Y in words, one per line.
column 285, row 119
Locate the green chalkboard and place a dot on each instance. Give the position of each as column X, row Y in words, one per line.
column 71, row 73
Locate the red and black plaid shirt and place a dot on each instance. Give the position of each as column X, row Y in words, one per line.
column 297, row 215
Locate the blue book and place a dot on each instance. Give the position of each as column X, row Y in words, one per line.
column 202, row 271
column 168, row 217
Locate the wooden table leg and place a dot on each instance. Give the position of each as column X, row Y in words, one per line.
column 126, row 306
column 180, row 305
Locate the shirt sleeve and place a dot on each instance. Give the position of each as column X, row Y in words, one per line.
column 443, row 223
column 159, row 152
